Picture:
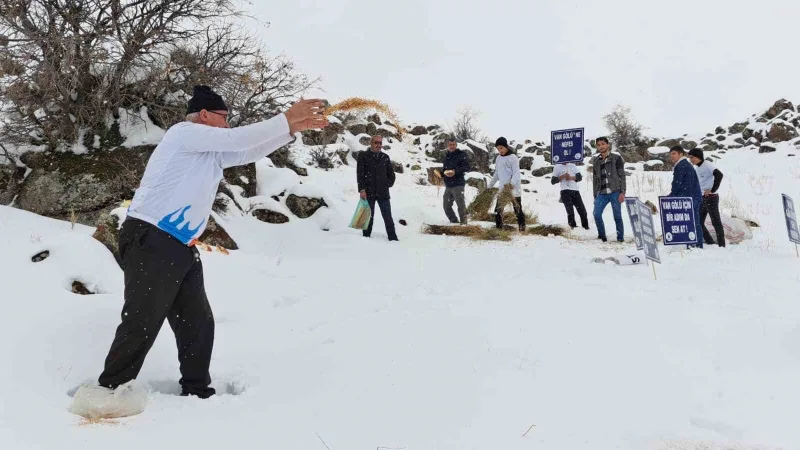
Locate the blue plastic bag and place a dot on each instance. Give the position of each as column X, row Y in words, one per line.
column 362, row 216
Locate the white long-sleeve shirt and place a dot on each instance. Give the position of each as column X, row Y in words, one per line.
column 563, row 169
column 506, row 171
column 182, row 176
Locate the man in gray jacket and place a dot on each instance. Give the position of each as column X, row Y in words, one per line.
column 608, row 170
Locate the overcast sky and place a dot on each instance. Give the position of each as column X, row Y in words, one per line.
column 529, row 67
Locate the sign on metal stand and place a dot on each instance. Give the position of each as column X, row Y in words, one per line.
column 650, row 246
column 791, row 222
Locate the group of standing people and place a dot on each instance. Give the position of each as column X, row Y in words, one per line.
column 693, row 177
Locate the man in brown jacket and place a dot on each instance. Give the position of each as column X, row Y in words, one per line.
column 608, row 170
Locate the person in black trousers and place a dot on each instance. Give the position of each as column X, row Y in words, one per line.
column 710, row 179
column 375, row 176
column 568, row 175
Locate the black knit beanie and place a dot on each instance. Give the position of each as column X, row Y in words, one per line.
column 502, row 141
column 697, row 153
column 205, row 98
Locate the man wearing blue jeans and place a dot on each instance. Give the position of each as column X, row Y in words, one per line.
column 608, row 171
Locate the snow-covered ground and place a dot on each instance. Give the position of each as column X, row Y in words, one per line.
column 329, row 340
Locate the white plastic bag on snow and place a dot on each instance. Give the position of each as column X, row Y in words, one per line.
column 736, row 230
column 97, row 402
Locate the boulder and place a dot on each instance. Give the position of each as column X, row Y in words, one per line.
column 107, row 232
column 62, row 184
column 269, row 216
column 416, row 167
column 215, row 235
column 689, row 145
column 530, row 150
column 737, row 128
column 302, row 171
column 480, row 158
column 385, row 133
column 326, row 136
column 304, row 207
column 375, row 118
column 669, row 143
column 781, row 132
column 721, row 138
column 543, row 171
column 418, row 130
column 719, row 130
column 357, row 129
column 372, row 129
column 417, row 141
column 244, row 177
column 397, row 167
column 433, row 128
column 343, row 156
column 747, row 133
column 739, row 140
column 779, row 106
column 365, row 140
column 523, row 181
column 526, row 163
column 709, row 145
column 766, row 148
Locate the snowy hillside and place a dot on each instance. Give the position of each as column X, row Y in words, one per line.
column 328, row 340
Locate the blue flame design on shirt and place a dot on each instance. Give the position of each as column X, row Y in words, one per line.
column 184, row 234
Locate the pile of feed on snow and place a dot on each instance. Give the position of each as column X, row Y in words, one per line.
column 474, row 232
column 546, row 230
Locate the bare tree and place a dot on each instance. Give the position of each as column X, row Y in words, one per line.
column 466, row 125
column 67, row 68
column 626, row 132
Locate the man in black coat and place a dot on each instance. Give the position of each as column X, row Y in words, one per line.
column 375, row 177
column 455, row 166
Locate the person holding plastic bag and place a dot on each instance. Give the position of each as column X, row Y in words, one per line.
column 375, row 176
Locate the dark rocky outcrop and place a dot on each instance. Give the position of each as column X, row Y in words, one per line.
column 304, row 207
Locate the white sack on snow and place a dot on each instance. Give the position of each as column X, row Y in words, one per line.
column 736, row 230
column 97, row 402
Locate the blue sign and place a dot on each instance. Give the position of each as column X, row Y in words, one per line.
column 678, row 223
column 791, row 219
column 648, row 232
column 566, row 146
column 633, row 215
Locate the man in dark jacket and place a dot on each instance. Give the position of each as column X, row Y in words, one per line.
column 685, row 183
column 375, row 176
column 455, row 166
column 608, row 176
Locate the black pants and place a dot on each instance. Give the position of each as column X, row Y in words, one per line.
column 572, row 200
column 498, row 212
column 386, row 211
column 163, row 280
column 710, row 205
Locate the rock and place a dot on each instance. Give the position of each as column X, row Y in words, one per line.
column 304, row 207
column 781, row 132
column 386, row 147
column 721, row 138
column 269, row 216
column 80, row 288
column 244, row 177
column 737, row 128
column 372, row 129
column 65, row 183
column 747, row 133
column 689, row 145
column 343, row 156
column 709, row 145
column 302, row 171
column 418, row 130
column 417, row 141
column 526, row 162
column 357, row 129
column 385, row 133
column 107, row 232
column 478, row 183
column 403, row 222
column 375, row 118
column 397, row 167
column 779, row 106
column 41, row 256
column 655, row 167
column 523, row 181
column 790, row 154
column 433, row 128
column 719, row 130
column 543, row 171
column 669, row 143
column 765, row 148
column 365, row 140
column 739, row 140
column 416, row 167
column 215, row 235
column 480, row 158
column 326, row 136
column 530, row 150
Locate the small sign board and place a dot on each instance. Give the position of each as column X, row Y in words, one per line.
column 566, row 146
column 633, row 215
column 791, row 219
column 648, row 232
column 678, row 223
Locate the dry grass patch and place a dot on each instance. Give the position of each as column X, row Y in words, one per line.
column 474, row 232
column 546, row 230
